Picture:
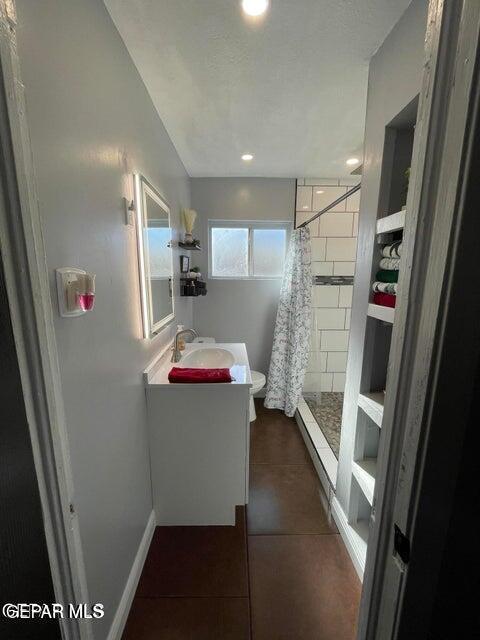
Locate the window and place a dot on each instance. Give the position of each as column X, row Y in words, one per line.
column 247, row 249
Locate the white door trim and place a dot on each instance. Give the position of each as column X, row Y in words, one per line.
column 27, row 283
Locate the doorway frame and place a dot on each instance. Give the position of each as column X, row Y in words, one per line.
column 409, row 472
column 27, row 283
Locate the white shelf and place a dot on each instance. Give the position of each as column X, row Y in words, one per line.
column 372, row 404
column 354, row 535
column 360, row 530
column 364, row 472
column 359, row 538
column 387, row 314
column 393, row 222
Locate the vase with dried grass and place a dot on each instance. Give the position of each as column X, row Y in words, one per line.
column 189, row 216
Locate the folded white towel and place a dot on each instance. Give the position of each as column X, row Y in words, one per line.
column 385, row 287
column 393, row 250
column 392, row 264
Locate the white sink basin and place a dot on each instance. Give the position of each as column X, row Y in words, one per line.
column 210, row 358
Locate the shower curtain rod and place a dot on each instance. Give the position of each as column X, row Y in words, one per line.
column 333, row 204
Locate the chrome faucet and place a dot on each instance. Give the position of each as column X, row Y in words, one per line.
column 177, row 354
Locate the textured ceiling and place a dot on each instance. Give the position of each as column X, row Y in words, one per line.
column 290, row 88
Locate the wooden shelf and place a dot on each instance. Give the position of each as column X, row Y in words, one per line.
column 364, row 472
column 393, row 222
column 372, row 404
column 387, row 314
column 190, row 247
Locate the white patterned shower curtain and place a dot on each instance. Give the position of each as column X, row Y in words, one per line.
column 291, row 340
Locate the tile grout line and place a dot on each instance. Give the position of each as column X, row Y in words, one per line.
column 280, row 464
column 280, row 535
column 250, row 622
column 189, row 597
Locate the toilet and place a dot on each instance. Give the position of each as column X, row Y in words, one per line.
column 258, row 382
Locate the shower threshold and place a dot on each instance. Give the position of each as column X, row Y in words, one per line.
column 327, row 411
column 320, row 424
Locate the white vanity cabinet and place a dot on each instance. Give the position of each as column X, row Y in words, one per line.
column 199, row 443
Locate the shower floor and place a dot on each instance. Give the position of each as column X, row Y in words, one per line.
column 328, row 414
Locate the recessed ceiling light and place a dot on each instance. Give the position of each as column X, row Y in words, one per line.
column 247, row 157
column 305, row 206
column 353, row 161
column 319, row 191
column 255, row 7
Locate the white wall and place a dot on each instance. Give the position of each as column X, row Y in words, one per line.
column 334, row 248
column 92, row 124
column 239, row 311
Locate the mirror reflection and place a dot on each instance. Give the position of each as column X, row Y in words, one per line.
column 155, row 249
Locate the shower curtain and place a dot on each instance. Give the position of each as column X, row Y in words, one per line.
column 291, row 341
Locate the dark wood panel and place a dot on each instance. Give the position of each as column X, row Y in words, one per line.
column 24, row 567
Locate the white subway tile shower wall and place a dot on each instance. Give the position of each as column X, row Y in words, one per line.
column 334, row 247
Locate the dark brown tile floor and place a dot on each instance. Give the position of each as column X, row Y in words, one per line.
column 302, row 587
column 189, row 619
column 197, row 562
column 302, row 583
column 296, row 582
column 284, row 498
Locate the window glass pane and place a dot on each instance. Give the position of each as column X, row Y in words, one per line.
column 229, row 252
column 268, row 252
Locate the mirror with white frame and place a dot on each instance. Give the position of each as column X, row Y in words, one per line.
column 155, row 257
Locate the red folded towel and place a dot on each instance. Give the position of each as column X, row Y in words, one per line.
column 177, row 374
column 384, row 299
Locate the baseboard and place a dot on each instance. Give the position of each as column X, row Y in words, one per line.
column 123, row 609
column 356, row 547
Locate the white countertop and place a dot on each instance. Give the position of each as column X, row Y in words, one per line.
column 157, row 374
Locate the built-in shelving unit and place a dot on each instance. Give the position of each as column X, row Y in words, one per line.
column 370, row 403
column 374, row 371
column 369, row 359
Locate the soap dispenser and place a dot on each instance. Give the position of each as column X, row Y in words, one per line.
column 181, row 341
